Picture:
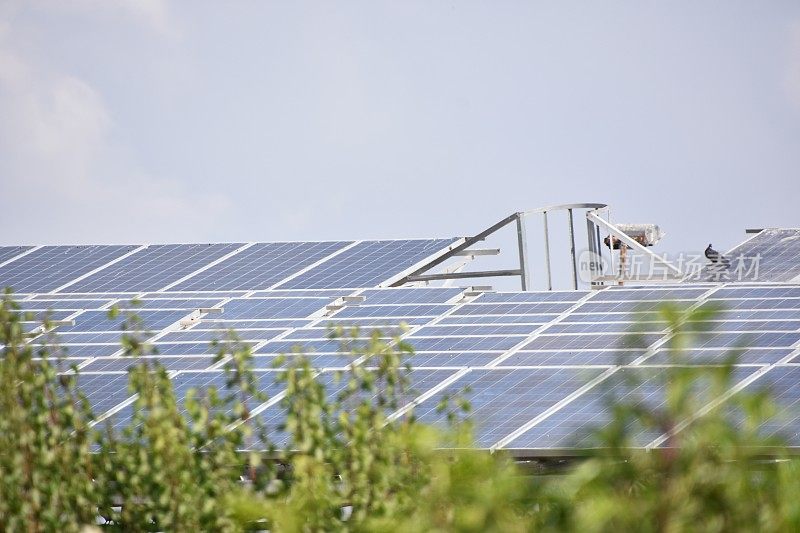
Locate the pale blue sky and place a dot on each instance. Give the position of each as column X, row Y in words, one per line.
column 152, row 120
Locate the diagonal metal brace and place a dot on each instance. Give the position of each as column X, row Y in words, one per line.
column 616, row 232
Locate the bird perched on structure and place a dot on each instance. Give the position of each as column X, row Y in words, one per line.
column 716, row 257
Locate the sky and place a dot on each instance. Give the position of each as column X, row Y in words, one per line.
column 198, row 121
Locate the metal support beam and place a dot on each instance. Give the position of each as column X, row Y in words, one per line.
column 465, row 275
column 594, row 260
column 572, row 251
column 547, row 253
column 463, row 246
column 522, row 243
column 477, row 252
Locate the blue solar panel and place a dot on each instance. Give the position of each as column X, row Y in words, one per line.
column 9, row 252
column 460, row 359
column 104, row 391
column 589, row 341
column 410, row 296
column 535, row 320
column 460, row 330
column 152, row 268
column 778, row 303
column 187, row 348
column 261, row 266
column 504, row 399
column 112, row 337
column 606, row 327
column 250, row 324
column 202, row 381
column 782, row 291
column 421, row 380
column 531, row 297
column 90, row 350
column 398, row 311
column 433, row 344
column 90, row 321
column 368, row 264
column 782, row 382
column 122, row 364
column 50, row 267
column 193, row 335
column 751, row 340
column 70, row 305
column 772, row 255
column 627, row 306
column 244, row 308
column 572, row 357
column 644, row 387
column 315, row 360
column 512, row 308
column 648, row 293
column 747, row 356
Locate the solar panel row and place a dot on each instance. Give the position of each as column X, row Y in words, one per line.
column 523, row 364
column 212, row 267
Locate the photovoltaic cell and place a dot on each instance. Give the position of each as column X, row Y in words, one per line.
column 368, row 264
column 50, row 267
column 261, row 266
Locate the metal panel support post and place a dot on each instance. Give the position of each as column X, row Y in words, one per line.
column 572, row 251
column 522, row 243
column 547, row 253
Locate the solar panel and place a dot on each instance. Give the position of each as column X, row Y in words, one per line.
column 782, row 382
column 260, row 266
column 642, row 387
column 152, row 268
column 368, row 264
column 9, row 252
column 50, row 267
column 504, row 399
column 773, row 255
column 421, row 380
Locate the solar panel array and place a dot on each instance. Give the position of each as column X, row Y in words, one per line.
column 541, row 365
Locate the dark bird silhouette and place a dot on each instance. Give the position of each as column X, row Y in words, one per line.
column 716, row 257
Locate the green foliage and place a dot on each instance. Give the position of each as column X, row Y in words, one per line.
column 350, row 461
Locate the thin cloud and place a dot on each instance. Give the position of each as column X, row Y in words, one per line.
column 59, row 160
